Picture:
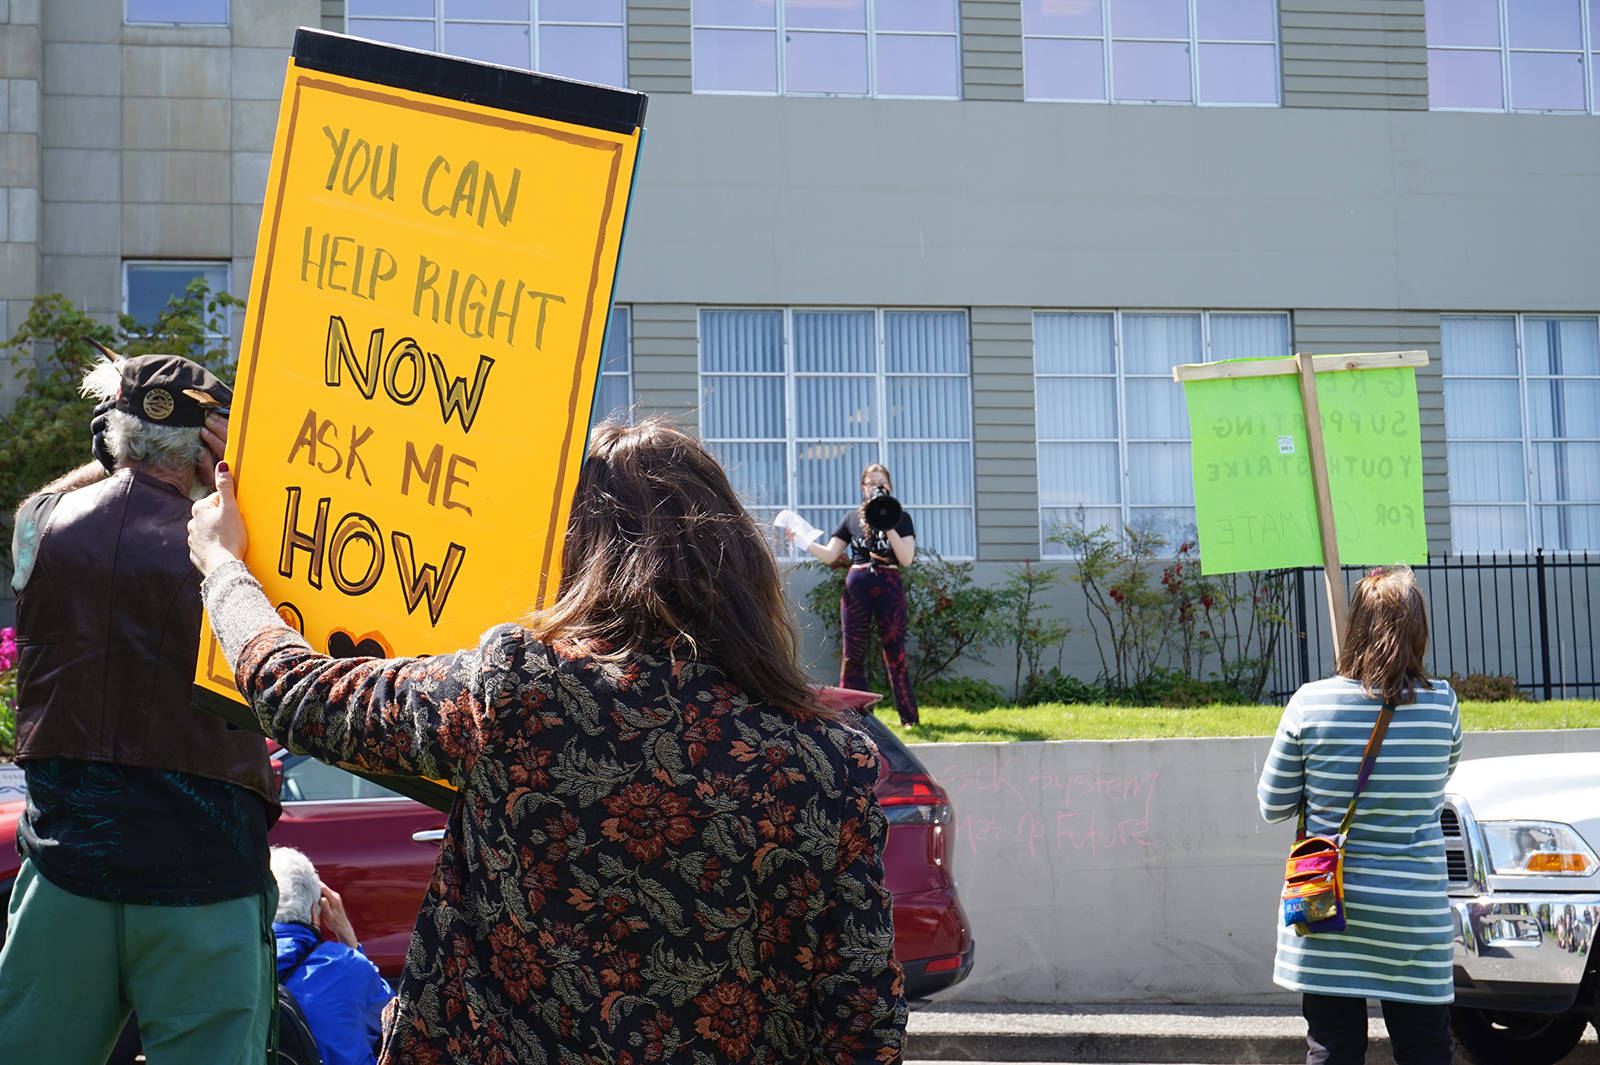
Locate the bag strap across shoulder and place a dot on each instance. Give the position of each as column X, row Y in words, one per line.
column 1369, row 758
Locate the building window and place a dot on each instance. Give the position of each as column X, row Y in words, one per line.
column 177, row 12
column 1522, row 421
column 827, row 47
column 583, row 39
column 1151, row 51
column 614, row 395
column 1112, row 426
column 796, row 402
column 148, row 286
column 1513, row 55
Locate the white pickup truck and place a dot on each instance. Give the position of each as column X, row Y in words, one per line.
column 1521, row 839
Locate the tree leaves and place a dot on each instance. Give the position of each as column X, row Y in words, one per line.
column 46, row 432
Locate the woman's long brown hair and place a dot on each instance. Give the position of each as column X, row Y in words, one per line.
column 660, row 553
column 1386, row 635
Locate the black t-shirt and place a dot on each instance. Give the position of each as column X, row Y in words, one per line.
column 861, row 552
column 153, row 837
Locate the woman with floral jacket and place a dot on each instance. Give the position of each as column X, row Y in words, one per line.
column 663, row 849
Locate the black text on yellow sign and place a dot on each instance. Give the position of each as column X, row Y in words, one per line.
column 430, row 294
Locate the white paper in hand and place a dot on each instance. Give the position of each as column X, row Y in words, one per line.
column 804, row 531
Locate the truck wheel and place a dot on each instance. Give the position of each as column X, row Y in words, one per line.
column 1492, row 1037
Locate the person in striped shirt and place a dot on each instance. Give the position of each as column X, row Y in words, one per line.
column 1397, row 945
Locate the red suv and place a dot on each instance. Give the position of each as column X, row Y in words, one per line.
column 377, row 849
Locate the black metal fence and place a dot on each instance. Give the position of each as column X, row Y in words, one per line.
column 1530, row 617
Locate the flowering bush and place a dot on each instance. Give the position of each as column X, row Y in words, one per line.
column 1132, row 618
column 1186, row 639
column 8, row 690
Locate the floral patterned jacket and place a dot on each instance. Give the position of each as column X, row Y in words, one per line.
column 642, row 865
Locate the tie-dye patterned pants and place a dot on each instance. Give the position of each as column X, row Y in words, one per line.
column 876, row 594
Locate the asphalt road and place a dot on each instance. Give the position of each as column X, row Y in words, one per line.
column 1220, row 1035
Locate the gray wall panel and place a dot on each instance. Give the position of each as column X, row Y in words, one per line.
column 658, row 46
column 1354, row 54
column 23, row 158
column 666, row 360
column 179, row 120
column 1006, row 462
column 991, row 49
column 963, row 203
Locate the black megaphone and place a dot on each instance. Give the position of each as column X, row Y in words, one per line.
column 883, row 510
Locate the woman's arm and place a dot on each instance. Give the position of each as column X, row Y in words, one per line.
column 829, row 554
column 1283, row 778
column 424, row 717
column 904, row 547
column 856, row 982
column 1455, row 731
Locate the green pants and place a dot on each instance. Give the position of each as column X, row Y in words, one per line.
column 199, row 977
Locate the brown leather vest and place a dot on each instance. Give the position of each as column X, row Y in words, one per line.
column 108, row 629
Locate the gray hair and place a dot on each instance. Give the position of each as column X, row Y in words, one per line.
column 299, row 887
column 135, row 442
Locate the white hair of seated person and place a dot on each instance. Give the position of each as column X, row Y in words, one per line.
column 299, row 887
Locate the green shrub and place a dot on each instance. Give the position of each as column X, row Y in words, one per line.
column 1054, row 686
column 1186, row 691
column 969, row 693
column 1143, row 627
column 1033, row 632
column 46, row 432
column 1483, row 688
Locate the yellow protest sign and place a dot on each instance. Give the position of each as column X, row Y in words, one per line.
column 431, row 289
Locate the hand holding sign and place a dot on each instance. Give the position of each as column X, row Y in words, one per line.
column 216, row 528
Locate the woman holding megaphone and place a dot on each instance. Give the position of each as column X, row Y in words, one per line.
column 882, row 540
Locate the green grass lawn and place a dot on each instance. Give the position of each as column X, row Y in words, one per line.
column 1059, row 721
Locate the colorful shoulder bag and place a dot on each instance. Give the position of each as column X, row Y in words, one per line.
column 1313, row 878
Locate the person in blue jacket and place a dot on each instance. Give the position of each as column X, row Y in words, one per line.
column 339, row 990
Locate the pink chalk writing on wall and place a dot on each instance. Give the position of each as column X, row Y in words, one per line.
column 1090, row 813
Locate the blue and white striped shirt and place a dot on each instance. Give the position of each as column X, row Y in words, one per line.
column 1398, row 941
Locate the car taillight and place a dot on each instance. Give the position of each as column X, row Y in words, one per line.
column 913, row 799
column 943, row 965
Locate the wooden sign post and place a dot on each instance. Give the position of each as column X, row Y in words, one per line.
column 1281, row 476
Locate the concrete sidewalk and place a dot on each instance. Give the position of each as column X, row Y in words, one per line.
column 1273, row 1035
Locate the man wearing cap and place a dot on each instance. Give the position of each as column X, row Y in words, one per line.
column 145, row 884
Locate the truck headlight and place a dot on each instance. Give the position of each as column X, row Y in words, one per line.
column 1536, row 848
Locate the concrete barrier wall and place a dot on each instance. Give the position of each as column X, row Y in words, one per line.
column 1128, row 870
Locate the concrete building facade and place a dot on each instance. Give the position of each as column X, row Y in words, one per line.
column 957, row 242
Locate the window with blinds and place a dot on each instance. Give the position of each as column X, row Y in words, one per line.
column 1522, row 421
column 1113, row 430
column 583, row 39
column 796, row 402
column 896, row 48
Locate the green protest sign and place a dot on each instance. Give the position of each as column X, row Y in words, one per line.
column 1254, row 495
